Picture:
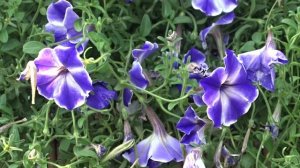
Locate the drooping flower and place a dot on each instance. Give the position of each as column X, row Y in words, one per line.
column 61, row 20
column 158, row 147
column 100, row 149
column 228, row 92
column 196, row 66
column 215, row 31
column 61, row 76
column 136, row 73
column 100, row 97
column 194, row 159
column 214, row 7
column 260, row 63
column 127, row 96
column 193, row 128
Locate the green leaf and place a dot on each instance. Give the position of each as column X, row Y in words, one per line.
column 248, row 46
column 85, row 152
column 78, row 25
column 3, row 36
column 182, row 19
column 146, row 26
column 172, row 105
column 166, row 9
column 257, row 37
column 33, row 47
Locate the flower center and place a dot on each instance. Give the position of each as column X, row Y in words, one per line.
column 62, row 70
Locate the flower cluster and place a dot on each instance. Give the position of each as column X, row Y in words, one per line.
column 59, row 73
column 225, row 92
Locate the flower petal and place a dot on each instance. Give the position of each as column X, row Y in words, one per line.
column 209, row 7
column 146, row 50
column 68, row 94
column 195, row 56
column 137, row 77
column 101, row 96
column 235, row 70
column 127, row 96
column 59, row 31
column 56, row 11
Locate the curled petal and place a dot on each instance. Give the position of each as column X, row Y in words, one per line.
column 223, row 20
column 56, row 11
column 146, row 50
column 137, row 76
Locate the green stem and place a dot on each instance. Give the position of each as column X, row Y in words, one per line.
column 75, row 134
column 267, row 104
column 166, row 111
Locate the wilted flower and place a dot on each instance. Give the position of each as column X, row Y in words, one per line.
column 215, row 31
column 158, row 147
column 30, row 73
column 196, row 66
column 61, row 76
column 228, row 92
column 136, row 74
column 100, row 149
column 61, row 18
column 100, row 97
column 260, row 63
column 214, row 7
column 193, row 127
column 229, row 159
column 194, row 159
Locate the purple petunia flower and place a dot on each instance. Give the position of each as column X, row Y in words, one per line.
column 136, row 74
column 61, row 18
column 158, row 147
column 214, row 7
column 61, row 76
column 260, row 63
column 213, row 29
column 197, row 66
column 228, row 92
column 100, row 97
column 193, row 127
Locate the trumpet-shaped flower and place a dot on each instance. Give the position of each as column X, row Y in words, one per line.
column 61, row 76
column 100, row 97
column 214, row 7
column 136, row 73
column 158, row 147
column 61, row 20
column 193, row 127
column 260, row 63
column 228, row 93
column 213, row 29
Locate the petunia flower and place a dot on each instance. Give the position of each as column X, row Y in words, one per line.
column 61, row 20
column 196, row 66
column 216, row 32
column 260, row 63
column 194, row 159
column 214, row 7
column 61, row 76
column 136, row 73
column 228, row 93
column 100, row 97
column 193, row 127
column 158, row 147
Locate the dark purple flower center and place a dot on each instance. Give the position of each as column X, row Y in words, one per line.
column 62, row 70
